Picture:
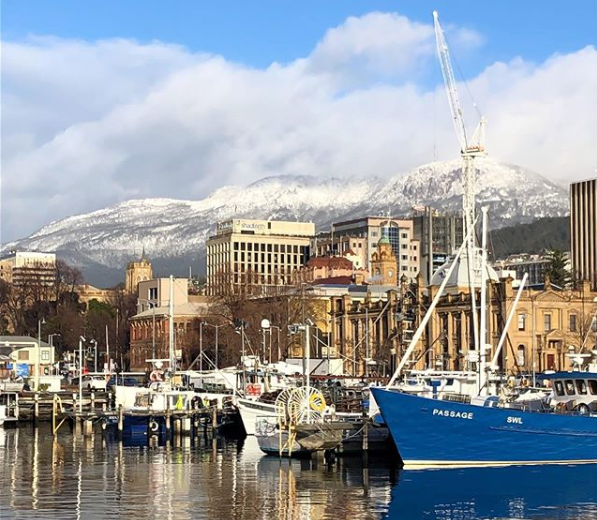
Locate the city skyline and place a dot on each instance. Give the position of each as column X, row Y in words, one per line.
column 101, row 107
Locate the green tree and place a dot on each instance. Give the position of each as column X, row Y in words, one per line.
column 558, row 269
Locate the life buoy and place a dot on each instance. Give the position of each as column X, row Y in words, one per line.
column 153, row 426
column 317, row 402
column 155, row 376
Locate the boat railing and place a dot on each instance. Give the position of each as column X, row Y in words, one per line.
column 456, row 398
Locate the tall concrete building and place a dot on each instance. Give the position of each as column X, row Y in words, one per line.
column 367, row 232
column 583, row 230
column 439, row 235
column 21, row 268
column 256, row 255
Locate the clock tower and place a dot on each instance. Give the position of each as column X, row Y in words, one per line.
column 384, row 263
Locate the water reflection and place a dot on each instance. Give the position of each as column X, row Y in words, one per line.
column 546, row 492
column 76, row 477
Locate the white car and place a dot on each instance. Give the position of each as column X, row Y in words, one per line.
column 95, row 382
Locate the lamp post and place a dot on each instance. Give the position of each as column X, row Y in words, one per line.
column 37, row 357
column 94, row 354
column 51, row 343
column 81, row 340
column 270, row 342
column 265, row 326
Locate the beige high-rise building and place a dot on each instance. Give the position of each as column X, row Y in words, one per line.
column 583, row 230
column 256, row 255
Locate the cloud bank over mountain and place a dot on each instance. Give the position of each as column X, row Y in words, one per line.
column 88, row 124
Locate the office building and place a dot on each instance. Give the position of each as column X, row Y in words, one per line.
column 256, row 256
column 583, row 230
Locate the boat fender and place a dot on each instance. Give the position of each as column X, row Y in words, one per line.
column 153, row 426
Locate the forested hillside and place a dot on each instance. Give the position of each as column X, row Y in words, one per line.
column 543, row 234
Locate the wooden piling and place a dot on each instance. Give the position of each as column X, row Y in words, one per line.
column 120, row 419
column 168, row 420
column 214, row 420
column 36, row 408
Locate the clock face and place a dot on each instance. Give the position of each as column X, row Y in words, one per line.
column 390, row 272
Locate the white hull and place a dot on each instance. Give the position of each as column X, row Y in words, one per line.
column 250, row 410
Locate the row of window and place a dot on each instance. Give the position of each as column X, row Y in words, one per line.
column 576, row 387
column 547, row 323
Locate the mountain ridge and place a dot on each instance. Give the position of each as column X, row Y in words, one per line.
column 173, row 232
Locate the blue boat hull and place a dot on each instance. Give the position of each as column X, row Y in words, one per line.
column 431, row 432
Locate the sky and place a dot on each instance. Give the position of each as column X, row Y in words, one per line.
column 103, row 102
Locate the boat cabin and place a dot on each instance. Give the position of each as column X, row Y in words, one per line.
column 574, row 391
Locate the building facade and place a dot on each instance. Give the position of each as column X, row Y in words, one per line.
column 535, row 266
column 137, row 271
column 439, row 235
column 366, row 233
column 21, row 268
column 256, row 255
column 583, row 230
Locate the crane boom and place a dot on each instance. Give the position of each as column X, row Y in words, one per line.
column 450, row 83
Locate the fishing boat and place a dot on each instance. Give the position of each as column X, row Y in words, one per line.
column 434, row 433
column 299, row 428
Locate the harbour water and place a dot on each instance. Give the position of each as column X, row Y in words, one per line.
column 74, row 477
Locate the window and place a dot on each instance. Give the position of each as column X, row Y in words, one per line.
column 520, row 356
column 573, row 323
column 569, row 386
column 45, row 355
column 581, row 387
column 23, row 355
column 522, row 321
column 593, row 386
column 559, row 388
column 547, row 322
column 153, row 293
column 404, row 235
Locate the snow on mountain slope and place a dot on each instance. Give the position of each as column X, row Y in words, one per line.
column 170, row 229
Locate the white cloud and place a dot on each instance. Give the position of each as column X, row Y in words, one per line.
column 89, row 124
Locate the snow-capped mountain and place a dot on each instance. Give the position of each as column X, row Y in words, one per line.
column 173, row 232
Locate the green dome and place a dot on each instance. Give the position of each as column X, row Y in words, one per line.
column 384, row 240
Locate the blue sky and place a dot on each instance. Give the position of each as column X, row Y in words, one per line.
column 260, row 32
column 175, row 99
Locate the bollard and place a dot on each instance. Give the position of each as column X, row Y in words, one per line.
column 92, row 401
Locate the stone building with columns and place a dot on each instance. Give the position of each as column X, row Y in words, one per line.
column 548, row 325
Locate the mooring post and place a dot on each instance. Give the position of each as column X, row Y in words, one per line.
column 120, row 419
column 36, row 408
column 54, row 412
column 214, row 419
column 365, row 432
column 168, row 422
column 186, row 425
column 92, row 401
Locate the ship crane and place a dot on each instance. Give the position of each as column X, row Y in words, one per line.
column 469, row 150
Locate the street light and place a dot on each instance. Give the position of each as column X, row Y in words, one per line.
column 37, row 363
column 81, row 341
column 51, row 343
column 265, row 326
column 94, row 354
